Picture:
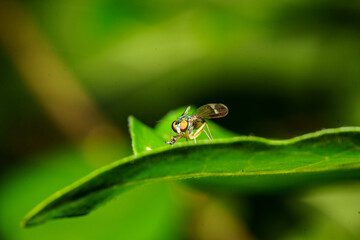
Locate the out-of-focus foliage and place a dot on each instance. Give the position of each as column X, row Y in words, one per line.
column 127, row 52
column 283, row 68
column 154, row 208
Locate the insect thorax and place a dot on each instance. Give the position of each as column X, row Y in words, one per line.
column 195, row 122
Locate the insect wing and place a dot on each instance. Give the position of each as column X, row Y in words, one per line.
column 186, row 111
column 212, row 110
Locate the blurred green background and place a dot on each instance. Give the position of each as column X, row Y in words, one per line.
column 73, row 71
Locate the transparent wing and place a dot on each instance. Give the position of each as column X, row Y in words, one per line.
column 186, row 111
column 212, row 110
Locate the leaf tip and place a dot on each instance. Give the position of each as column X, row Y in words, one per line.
column 130, row 119
column 26, row 222
column 23, row 224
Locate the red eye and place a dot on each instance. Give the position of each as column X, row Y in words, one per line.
column 173, row 126
column 183, row 125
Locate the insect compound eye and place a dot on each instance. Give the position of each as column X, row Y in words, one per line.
column 173, row 126
column 183, row 125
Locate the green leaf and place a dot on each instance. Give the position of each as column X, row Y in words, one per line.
column 143, row 138
column 25, row 187
column 244, row 163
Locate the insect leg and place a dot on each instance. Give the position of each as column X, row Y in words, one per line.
column 194, row 136
column 186, row 111
column 207, row 125
column 207, row 135
column 174, row 139
column 197, row 133
column 171, row 138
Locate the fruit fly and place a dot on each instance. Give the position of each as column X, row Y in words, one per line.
column 191, row 126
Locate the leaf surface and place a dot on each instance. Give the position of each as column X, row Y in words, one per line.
column 244, row 163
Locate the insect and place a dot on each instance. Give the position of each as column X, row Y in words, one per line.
column 191, row 126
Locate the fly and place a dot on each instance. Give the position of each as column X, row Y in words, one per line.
column 191, row 126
